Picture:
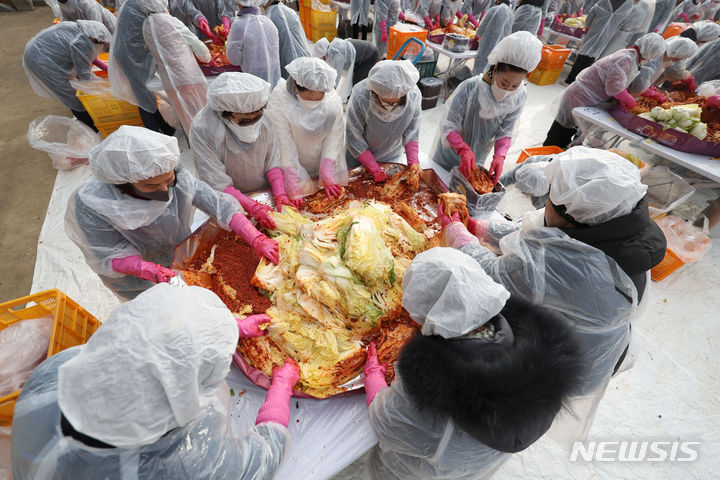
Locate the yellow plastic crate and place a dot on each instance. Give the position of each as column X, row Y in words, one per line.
column 106, row 109
column 106, row 129
column 544, row 77
column 318, row 33
column 72, row 325
column 323, row 20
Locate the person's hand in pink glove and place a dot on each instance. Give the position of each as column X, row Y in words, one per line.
column 428, row 23
column 100, row 64
column 713, row 101
column 437, row 20
column 227, row 24
column 444, row 218
column 656, row 29
column 467, row 157
column 689, row 82
column 479, row 228
column 411, row 153
column 278, row 179
column 205, row 30
column 250, row 326
column 134, row 265
column 684, row 17
column 276, row 408
column 655, row 94
column 496, row 168
column 368, row 161
column 695, row 17
column 263, row 246
column 383, row 31
column 456, row 235
column 626, row 100
column 401, row 16
column 327, row 177
column 260, row 212
column 474, row 20
column 374, row 374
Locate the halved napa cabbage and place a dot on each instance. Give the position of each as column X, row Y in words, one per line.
column 366, row 254
column 288, row 222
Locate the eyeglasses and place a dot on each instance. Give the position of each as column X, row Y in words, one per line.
column 390, row 106
column 243, row 122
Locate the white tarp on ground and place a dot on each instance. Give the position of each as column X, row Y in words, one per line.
column 670, row 395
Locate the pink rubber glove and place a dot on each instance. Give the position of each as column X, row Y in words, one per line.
column 293, row 188
column 695, row 17
column 459, row 14
column 428, row 23
column 502, row 145
column 473, row 20
column 625, row 99
column 277, row 185
column 457, row 235
column 374, row 374
column 689, row 81
column 656, row 29
column 100, row 64
column 263, row 246
column 479, row 228
column 327, row 177
column 227, row 24
column 276, row 408
column 257, row 210
column 368, row 161
column 713, row 101
column 684, row 17
column 655, row 94
column 411, row 152
column 250, row 326
column 205, row 30
column 134, row 265
column 467, row 157
column 383, row 31
column 444, row 218
column 542, row 28
column 401, row 16
column 437, row 19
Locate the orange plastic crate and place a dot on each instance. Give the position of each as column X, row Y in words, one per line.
column 669, row 264
column 72, row 325
column 399, row 34
column 553, row 57
column 529, row 152
column 544, row 77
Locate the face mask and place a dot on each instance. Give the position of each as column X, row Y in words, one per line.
column 309, row 104
column 385, row 115
column 245, row 133
column 498, row 92
column 160, row 196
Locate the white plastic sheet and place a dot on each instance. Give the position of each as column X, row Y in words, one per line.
column 23, row 346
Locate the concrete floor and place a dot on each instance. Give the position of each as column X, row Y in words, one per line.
column 26, row 175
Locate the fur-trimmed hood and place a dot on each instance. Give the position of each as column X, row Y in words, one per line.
column 503, row 391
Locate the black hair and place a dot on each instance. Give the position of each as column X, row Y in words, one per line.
column 500, row 2
column 534, row 3
column 300, row 88
column 506, row 67
column 690, row 33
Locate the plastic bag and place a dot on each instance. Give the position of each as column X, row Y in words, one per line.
column 66, row 140
column 688, row 242
column 23, row 346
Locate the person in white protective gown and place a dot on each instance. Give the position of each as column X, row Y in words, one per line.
column 235, row 146
column 146, row 398
column 61, row 53
column 202, row 16
column 704, row 66
column 383, row 118
column 607, row 78
column 485, row 379
column 671, row 67
column 253, row 42
column 351, row 59
column 132, row 64
column 483, row 109
column 129, row 217
column 174, row 48
column 74, row 10
column 634, row 26
column 709, row 9
column 661, row 17
column 495, row 26
column 528, row 16
column 290, row 33
column 386, row 15
column 307, row 115
column 602, row 21
column 359, row 18
column 702, row 32
column 687, row 11
column 586, row 259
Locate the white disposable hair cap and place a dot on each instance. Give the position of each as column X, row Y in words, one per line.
column 449, row 294
column 312, row 73
column 153, row 6
column 154, row 365
column 680, row 48
column 651, row 46
column 238, row 92
column 131, row 154
column 594, row 185
column 520, row 49
column 320, row 49
column 96, row 30
column 392, row 78
column 706, row 31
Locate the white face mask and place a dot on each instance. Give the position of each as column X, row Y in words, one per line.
column 308, row 104
column 498, row 92
column 245, row 133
